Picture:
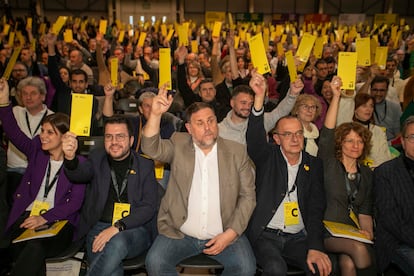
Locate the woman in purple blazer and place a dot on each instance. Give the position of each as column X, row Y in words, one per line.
column 43, row 184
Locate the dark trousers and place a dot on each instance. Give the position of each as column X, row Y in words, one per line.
column 274, row 251
column 29, row 256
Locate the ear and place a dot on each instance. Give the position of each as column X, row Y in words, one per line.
column 232, row 103
column 140, row 109
column 188, row 127
column 131, row 141
column 276, row 138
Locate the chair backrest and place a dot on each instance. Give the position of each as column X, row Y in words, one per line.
column 88, row 143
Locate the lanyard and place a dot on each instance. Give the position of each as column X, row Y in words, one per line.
column 49, row 185
column 37, row 128
column 380, row 120
column 291, row 190
column 351, row 194
column 124, row 181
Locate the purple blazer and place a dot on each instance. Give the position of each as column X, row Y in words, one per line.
column 69, row 196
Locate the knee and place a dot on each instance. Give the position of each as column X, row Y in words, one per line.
column 274, row 268
column 246, row 267
column 117, row 244
column 347, row 266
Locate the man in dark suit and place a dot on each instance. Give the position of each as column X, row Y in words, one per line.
column 394, row 190
column 286, row 226
column 121, row 199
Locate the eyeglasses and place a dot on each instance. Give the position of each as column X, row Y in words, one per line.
column 289, row 135
column 410, row 138
column 120, row 137
column 378, row 90
column 322, row 68
column 18, row 70
column 309, row 107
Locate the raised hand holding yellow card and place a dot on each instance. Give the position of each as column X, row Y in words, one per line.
column 6, row 29
column 29, row 23
column 363, row 49
column 305, row 47
column 347, row 64
column 194, row 46
column 102, row 26
column 258, row 54
column 59, row 24
column 68, row 36
column 121, row 210
column 381, row 56
column 81, row 114
column 216, row 29
column 142, row 38
column 114, row 71
column 165, row 67
column 291, row 66
column 318, row 48
column 183, row 35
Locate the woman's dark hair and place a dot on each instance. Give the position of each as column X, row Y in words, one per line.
column 361, row 99
column 58, row 121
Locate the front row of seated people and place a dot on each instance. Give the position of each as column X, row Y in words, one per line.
column 215, row 202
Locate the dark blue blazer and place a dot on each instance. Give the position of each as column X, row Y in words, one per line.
column 142, row 190
column 271, row 186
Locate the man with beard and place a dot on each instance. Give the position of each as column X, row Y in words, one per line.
column 121, row 200
column 234, row 125
column 210, row 194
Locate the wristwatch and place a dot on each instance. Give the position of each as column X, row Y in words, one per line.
column 120, row 225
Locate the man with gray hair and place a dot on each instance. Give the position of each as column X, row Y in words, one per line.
column 32, row 92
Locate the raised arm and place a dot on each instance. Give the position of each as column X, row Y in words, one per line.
column 108, row 105
column 332, row 113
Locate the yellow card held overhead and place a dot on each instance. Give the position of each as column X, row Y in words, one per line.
column 114, row 71
column 165, row 67
column 347, row 64
column 29, row 23
column 102, row 26
column 381, row 56
column 12, row 61
column 142, row 38
column 6, row 29
column 363, row 49
column 59, row 24
column 305, row 47
column 11, row 39
column 318, row 48
column 216, row 29
column 81, row 114
column 194, row 46
column 170, row 34
column 121, row 36
column 68, row 36
column 258, row 54
column 236, row 42
column 182, row 35
column 291, row 66
column 163, row 30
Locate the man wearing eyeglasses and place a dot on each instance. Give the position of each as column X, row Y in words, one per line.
column 394, row 190
column 118, row 215
column 386, row 113
column 286, row 226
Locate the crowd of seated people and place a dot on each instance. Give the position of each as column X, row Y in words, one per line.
column 319, row 152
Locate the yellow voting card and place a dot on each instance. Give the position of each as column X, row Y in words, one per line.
column 305, row 47
column 121, row 36
column 30, row 234
column 381, row 56
column 165, row 67
column 397, row 40
column 11, row 63
column 183, row 35
column 39, row 208
column 347, row 63
column 114, row 71
column 141, row 39
column 258, row 54
column 242, row 34
column 394, row 30
column 231, row 24
column 163, row 30
column 194, row 46
column 102, row 26
column 318, row 48
column 236, row 42
column 216, row 29
column 81, row 114
column 339, row 34
column 363, row 49
column 59, row 24
column 6, row 29
column 291, row 66
column 29, row 23
column 121, row 210
column 280, row 49
column 266, row 37
column 68, row 36
column 21, row 38
column 11, row 39
column 170, row 34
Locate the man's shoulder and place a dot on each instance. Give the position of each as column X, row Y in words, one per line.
column 230, row 145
